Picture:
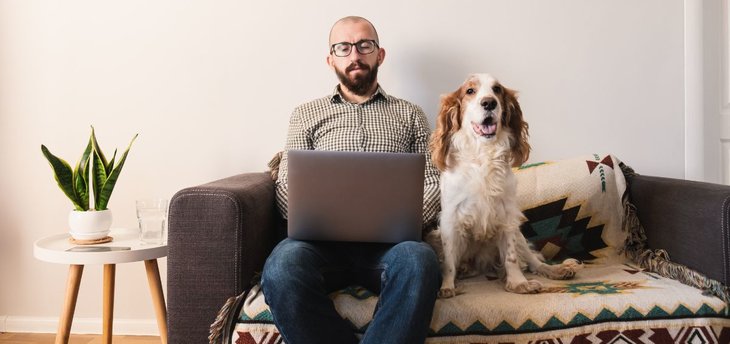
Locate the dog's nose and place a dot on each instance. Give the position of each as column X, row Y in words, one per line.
column 489, row 104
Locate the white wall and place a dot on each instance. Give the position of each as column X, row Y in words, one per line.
column 209, row 86
column 713, row 70
column 707, row 105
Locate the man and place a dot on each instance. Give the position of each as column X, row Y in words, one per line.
column 298, row 275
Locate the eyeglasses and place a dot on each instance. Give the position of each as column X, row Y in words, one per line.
column 363, row 46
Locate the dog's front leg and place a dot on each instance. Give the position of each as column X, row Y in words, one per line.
column 536, row 264
column 453, row 243
column 515, row 280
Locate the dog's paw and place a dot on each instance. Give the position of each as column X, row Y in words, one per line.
column 569, row 267
column 573, row 264
column 562, row 271
column 448, row 288
column 445, row 293
column 524, row 287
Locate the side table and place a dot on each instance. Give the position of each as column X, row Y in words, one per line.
column 54, row 248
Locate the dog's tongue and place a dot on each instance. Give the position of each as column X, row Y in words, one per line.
column 485, row 129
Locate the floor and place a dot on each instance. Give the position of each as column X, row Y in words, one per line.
column 45, row 338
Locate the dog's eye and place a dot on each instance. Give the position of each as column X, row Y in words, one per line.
column 497, row 89
column 469, row 91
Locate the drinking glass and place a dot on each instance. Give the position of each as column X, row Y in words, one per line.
column 152, row 218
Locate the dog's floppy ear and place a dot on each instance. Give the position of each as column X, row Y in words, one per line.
column 514, row 120
column 448, row 122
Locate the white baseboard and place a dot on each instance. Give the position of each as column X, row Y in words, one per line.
column 133, row 327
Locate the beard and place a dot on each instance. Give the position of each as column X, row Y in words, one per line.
column 358, row 84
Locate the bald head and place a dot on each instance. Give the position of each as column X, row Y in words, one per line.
column 345, row 22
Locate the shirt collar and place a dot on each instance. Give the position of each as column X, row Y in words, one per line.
column 337, row 97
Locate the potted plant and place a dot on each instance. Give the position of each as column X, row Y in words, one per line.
column 85, row 222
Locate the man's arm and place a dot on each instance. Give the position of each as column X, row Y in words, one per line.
column 296, row 138
column 431, row 190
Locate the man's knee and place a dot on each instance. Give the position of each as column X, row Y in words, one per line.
column 290, row 259
column 416, row 257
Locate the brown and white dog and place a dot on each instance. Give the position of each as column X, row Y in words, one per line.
column 480, row 134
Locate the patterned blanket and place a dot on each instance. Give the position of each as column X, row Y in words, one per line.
column 575, row 208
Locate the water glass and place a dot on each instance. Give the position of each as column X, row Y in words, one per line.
column 152, row 217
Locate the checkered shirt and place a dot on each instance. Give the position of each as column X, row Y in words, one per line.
column 381, row 124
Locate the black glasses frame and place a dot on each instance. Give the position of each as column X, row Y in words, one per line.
column 357, row 46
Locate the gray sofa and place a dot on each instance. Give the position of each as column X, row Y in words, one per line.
column 220, row 234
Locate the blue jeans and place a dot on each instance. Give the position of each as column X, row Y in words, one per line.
column 298, row 275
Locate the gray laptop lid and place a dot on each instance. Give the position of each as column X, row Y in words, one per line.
column 355, row 196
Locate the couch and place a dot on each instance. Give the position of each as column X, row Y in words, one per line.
column 657, row 254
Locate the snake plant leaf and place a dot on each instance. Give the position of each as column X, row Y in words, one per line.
column 81, row 177
column 110, row 165
column 99, row 176
column 99, row 162
column 98, row 150
column 64, row 177
column 102, row 199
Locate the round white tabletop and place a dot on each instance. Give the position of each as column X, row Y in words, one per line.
column 55, row 249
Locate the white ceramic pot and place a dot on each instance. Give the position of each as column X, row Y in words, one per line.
column 89, row 225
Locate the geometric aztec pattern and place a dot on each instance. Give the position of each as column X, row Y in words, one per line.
column 688, row 335
column 654, row 335
column 595, row 287
column 557, row 234
column 630, row 314
column 606, row 315
column 607, row 161
column 268, row 338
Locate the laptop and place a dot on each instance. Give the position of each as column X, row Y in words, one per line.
column 355, row 196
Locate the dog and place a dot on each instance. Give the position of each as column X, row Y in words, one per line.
column 480, row 135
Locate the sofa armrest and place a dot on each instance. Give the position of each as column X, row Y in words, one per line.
column 220, row 233
column 689, row 220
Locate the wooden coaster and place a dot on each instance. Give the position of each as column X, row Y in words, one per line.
column 91, row 242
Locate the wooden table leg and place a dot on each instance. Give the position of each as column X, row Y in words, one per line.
column 158, row 299
column 109, row 272
column 69, row 305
